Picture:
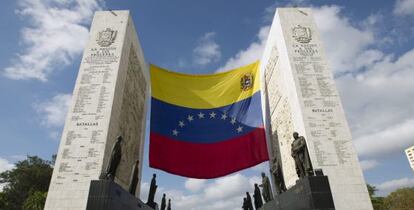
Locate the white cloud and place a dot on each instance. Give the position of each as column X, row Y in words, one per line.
column 251, row 53
column 368, row 164
column 404, row 7
column 392, row 139
column 53, row 111
column 18, row 157
column 4, row 166
column 207, row 51
column 225, row 187
column 144, row 191
column 54, row 36
column 224, row 193
column 374, row 86
column 345, row 44
column 378, row 105
column 389, row 186
column 262, row 167
column 194, row 185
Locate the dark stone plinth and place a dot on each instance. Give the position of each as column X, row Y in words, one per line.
column 271, row 205
column 107, row 195
column 309, row 193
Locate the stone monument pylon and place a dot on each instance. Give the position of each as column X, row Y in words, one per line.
column 302, row 97
column 109, row 100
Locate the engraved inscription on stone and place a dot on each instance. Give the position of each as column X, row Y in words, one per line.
column 108, row 98
column 318, row 97
column 84, row 137
column 303, row 97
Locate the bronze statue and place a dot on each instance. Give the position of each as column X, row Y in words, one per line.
column 244, row 206
column 301, row 156
column 169, row 204
column 257, row 196
column 152, row 190
column 163, row 202
column 133, row 181
column 115, row 159
column 249, row 201
column 267, row 190
column 277, row 173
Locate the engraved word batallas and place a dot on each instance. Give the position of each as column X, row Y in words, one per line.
column 302, row 34
column 106, row 37
column 246, row 82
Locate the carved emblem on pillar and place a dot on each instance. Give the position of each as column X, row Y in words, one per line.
column 106, row 37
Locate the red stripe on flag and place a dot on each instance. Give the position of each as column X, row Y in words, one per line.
column 205, row 161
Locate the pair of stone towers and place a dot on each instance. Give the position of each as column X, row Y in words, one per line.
column 112, row 90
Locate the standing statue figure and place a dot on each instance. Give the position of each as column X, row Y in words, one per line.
column 169, row 204
column 258, row 202
column 267, row 189
column 249, row 201
column 277, row 173
column 152, row 190
column 133, row 181
column 115, row 159
column 301, row 156
column 163, row 202
column 244, row 206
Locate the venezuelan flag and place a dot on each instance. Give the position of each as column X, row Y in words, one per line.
column 206, row 126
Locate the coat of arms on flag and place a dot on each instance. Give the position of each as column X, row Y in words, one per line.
column 246, row 82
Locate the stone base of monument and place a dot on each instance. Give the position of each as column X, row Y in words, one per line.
column 309, row 193
column 107, row 195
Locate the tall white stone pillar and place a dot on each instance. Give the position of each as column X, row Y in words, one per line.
column 109, row 99
column 302, row 97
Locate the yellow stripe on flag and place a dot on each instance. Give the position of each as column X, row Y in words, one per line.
column 204, row 91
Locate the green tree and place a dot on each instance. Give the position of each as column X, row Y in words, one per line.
column 35, row 201
column 377, row 202
column 401, row 199
column 29, row 178
column 371, row 190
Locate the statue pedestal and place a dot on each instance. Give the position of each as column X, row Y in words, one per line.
column 107, row 195
column 309, row 193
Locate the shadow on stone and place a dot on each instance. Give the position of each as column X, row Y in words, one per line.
column 309, row 193
column 107, row 195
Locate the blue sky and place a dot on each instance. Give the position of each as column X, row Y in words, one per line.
column 369, row 46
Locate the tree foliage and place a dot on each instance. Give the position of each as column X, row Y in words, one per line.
column 377, row 202
column 371, row 190
column 400, row 199
column 35, row 201
column 28, row 180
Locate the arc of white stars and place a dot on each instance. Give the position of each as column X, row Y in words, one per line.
column 212, row 115
column 181, row 124
column 239, row 129
column 190, row 118
column 175, row 132
column 233, row 121
column 224, row 116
